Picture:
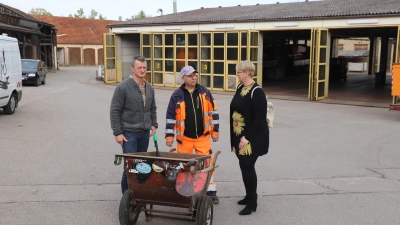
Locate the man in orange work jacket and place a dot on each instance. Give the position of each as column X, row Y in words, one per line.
column 192, row 112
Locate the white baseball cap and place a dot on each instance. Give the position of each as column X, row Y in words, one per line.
column 187, row 70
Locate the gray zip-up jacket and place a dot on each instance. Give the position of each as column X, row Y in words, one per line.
column 127, row 112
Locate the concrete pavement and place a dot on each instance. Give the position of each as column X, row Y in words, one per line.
column 328, row 163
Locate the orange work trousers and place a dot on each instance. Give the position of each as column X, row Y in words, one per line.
column 200, row 146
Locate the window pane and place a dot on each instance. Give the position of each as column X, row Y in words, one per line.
column 148, row 77
column 322, row 55
column 158, row 78
column 146, row 52
column 192, row 54
column 110, row 64
column 180, row 39
column 253, row 39
column 148, row 64
column 110, row 40
column 253, row 54
column 179, row 65
column 321, row 72
column 232, row 54
column 243, row 54
column 110, row 51
column 205, row 67
column 205, row 81
column 218, row 68
column 324, row 37
column 232, row 69
column 205, row 39
column 169, row 65
column 169, row 53
column 232, row 39
column 218, row 82
column 218, row 39
column 158, row 39
column 218, row 54
column 244, row 39
column 180, row 53
column 158, row 52
column 158, row 65
column 146, row 39
column 192, row 39
column 193, row 64
column 205, row 53
column 169, row 39
column 169, row 78
column 231, row 82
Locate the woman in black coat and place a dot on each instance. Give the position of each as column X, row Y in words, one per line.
column 249, row 130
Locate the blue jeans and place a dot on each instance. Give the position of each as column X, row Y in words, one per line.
column 137, row 142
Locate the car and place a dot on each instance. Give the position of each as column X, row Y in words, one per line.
column 33, row 71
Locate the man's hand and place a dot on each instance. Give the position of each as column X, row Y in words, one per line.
column 214, row 138
column 169, row 143
column 153, row 130
column 120, row 139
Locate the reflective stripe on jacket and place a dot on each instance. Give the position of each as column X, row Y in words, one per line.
column 176, row 113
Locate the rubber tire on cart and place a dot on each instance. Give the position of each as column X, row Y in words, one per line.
column 204, row 211
column 127, row 214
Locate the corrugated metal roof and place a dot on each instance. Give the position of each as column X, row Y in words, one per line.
column 23, row 14
column 78, row 30
column 20, row 29
column 274, row 12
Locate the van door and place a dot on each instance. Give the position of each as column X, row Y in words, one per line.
column 4, row 93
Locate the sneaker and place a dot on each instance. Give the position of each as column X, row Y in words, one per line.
column 215, row 199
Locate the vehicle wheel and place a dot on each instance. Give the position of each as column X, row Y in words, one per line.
column 37, row 81
column 44, row 79
column 12, row 104
column 204, row 211
column 127, row 214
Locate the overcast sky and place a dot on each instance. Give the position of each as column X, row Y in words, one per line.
column 112, row 9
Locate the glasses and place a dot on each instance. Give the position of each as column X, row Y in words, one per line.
column 240, row 72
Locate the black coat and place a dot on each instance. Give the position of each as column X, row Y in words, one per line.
column 254, row 111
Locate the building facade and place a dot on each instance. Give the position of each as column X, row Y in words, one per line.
column 280, row 39
column 37, row 39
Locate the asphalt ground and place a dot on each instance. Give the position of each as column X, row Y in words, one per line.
column 327, row 163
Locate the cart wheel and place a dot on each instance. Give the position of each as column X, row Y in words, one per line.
column 204, row 212
column 127, row 213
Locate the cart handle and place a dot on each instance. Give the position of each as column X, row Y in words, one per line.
column 117, row 160
column 209, row 168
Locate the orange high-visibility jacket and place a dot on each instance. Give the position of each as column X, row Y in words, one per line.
column 176, row 113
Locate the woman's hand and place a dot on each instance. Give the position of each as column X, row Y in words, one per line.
column 243, row 142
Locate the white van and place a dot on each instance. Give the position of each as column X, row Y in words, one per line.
column 10, row 74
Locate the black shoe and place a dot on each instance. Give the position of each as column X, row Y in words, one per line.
column 251, row 207
column 215, row 199
column 242, row 202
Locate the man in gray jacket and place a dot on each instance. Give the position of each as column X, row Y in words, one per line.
column 133, row 112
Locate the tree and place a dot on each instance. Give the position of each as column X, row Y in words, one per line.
column 80, row 14
column 39, row 11
column 101, row 17
column 120, row 18
column 139, row 16
column 93, row 14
